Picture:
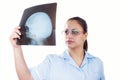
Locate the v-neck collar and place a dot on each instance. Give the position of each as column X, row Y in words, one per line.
column 66, row 56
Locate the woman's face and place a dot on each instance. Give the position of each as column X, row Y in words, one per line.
column 74, row 34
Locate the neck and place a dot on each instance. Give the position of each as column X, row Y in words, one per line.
column 77, row 52
column 77, row 55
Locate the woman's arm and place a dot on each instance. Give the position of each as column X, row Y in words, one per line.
column 20, row 64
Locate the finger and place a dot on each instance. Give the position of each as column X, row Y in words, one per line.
column 15, row 35
column 17, row 30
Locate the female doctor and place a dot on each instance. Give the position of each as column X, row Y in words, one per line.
column 75, row 63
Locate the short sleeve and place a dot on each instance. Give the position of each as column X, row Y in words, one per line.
column 102, row 72
column 41, row 72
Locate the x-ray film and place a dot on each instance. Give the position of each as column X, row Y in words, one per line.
column 38, row 25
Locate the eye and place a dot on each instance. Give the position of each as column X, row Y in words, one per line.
column 75, row 32
column 66, row 31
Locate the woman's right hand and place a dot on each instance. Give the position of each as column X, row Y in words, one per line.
column 14, row 36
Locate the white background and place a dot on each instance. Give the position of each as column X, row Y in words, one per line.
column 102, row 16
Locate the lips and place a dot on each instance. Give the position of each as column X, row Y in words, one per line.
column 69, row 41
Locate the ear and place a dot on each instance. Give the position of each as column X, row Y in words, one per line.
column 85, row 35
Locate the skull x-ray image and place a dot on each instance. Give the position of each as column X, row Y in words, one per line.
column 38, row 25
column 38, row 28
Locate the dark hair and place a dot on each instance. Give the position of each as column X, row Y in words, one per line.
column 83, row 23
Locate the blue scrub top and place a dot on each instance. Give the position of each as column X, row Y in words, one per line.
column 63, row 67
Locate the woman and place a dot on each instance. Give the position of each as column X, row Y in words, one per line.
column 75, row 63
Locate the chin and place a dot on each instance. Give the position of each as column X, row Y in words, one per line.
column 70, row 45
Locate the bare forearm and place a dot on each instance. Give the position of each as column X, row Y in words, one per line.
column 20, row 64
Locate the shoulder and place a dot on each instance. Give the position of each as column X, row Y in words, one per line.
column 60, row 55
column 53, row 57
column 93, row 59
